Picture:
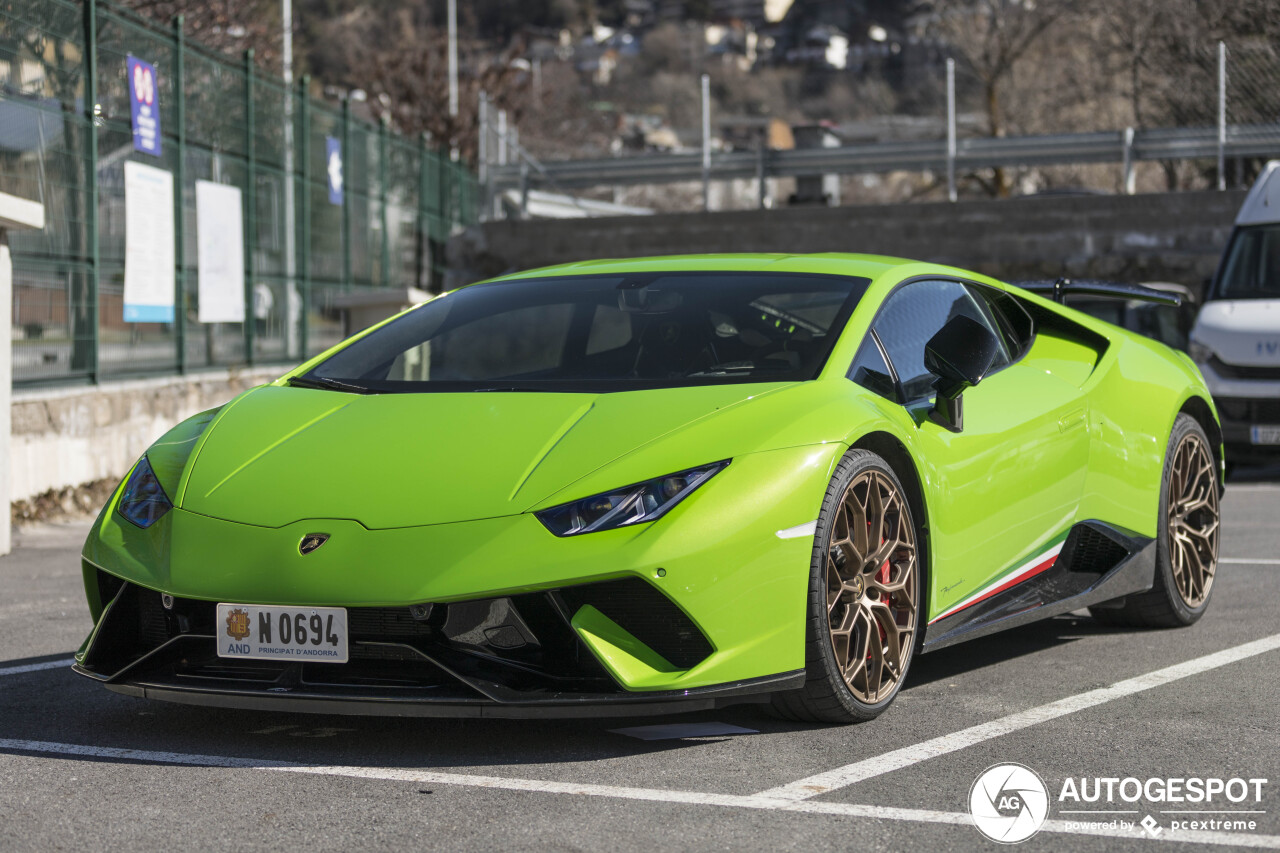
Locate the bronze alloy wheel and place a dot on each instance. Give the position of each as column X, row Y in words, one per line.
column 1193, row 519
column 1186, row 550
column 872, row 583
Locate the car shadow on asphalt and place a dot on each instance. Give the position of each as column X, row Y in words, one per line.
column 1004, row 646
column 91, row 714
column 54, row 706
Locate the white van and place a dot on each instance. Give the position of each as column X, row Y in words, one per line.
column 1236, row 337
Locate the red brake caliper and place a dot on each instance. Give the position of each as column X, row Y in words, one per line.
column 882, row 576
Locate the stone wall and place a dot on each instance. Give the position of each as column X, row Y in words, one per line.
column 71, row 436
column 1160, row 237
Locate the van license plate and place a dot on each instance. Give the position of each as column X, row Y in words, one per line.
column 1266, row 435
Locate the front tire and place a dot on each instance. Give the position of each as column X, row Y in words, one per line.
column 864, row 597
column 1186, row 539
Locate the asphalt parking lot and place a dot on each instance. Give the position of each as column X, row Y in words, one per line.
column 82, row 768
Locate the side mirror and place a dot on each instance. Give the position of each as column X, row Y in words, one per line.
column 960, row 355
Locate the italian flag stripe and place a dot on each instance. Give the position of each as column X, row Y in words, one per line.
column 1042, row 562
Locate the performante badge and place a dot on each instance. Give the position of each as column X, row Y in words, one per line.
column 312, row 541
column 237, row 624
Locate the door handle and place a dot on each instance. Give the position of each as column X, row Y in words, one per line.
column 1075, row 418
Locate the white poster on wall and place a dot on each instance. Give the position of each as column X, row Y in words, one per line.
column 220, row 248
column 148, row 244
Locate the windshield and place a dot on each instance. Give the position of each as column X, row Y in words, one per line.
column 1252, row 266
column 604, row 333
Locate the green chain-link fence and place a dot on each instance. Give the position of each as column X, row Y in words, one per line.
column 65, row 134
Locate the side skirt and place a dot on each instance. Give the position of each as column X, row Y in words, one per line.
column 1097, row 564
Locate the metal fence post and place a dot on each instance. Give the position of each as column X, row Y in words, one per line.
column 951, row 130
column 482, row 153
column 452, row 15
column 382, row 192
column 706, row 142
column 502, row 137
column 448, row 201
column 1222, row 115
column 346, row 192
column 91, row 183
column 421, row 274
column 499, row 209
column 524, row 189
column 250, row 208
column 1127, row 172
column 762, row 169
column 179, row 191
column 292, row 294
column 303, row 243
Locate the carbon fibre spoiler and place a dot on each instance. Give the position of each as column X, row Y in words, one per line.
column 1059, row 290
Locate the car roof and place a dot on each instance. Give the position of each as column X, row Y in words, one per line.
column 1262, row 205
column 868, row 266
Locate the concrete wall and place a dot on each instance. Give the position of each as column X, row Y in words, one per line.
column 1169, row 236
column 6, row 383
column 71, row 436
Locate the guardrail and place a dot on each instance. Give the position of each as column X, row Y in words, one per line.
column 1125, row 147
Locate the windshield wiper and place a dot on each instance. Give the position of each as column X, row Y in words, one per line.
column 505, row 388
column 724, row 369
column 326, row 384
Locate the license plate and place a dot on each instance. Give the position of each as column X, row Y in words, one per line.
column 1266, row 435
column 311, row 634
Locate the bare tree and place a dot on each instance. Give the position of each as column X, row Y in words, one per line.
column 406, row 77
column 990, row 38
column 1166, row 53
column 229, row 26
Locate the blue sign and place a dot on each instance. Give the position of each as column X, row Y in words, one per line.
column 333, row 166
column 144, row 106
column 148, row 313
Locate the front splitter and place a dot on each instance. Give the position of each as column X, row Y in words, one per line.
column 755, row 690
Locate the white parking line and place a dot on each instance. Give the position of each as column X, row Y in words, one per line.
column 868, row 768
column 1244, row 561
column 35, row 667
column 420, row 777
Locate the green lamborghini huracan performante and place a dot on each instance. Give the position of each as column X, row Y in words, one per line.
column 659, row 485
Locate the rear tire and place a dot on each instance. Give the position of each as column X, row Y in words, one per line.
column 865, row 584
column 1186, row 538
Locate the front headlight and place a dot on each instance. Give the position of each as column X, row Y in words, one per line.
column 143, row 500
column 630, row 505
column 1199, row 352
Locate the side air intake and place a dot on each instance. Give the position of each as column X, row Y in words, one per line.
column 646, row 614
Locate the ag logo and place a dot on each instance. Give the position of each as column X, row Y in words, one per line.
column 237, row 624
column 312, row 541
column 1009, row 803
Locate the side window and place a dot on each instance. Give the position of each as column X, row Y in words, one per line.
column 871, row 372
column 913, row 315
column 1011, row 318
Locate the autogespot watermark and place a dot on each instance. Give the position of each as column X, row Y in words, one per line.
column 1010, row 803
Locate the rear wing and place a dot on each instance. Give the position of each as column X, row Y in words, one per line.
column 1059, row 290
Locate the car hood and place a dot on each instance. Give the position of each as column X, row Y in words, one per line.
column 280, row 454
column 1244, row 332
